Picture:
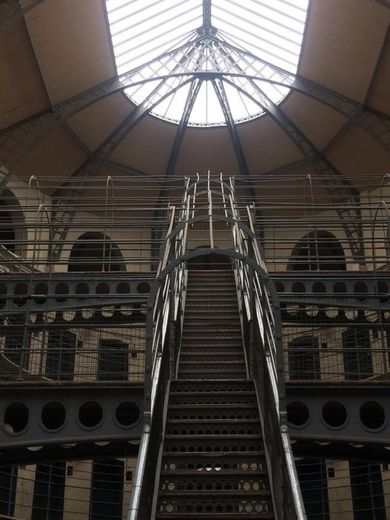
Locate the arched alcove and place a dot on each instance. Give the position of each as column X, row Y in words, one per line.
column 95, row 251
column 12, row 228
column 208, row 262
column 318, row 251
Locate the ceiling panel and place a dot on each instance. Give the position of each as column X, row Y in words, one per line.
column 22, row 91
column 72, row 45
column 147, row 146
column 343, row 43
column 266, row 145
column 206, row 149
column 97, row 121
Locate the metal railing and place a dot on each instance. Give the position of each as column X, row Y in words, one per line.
column 163, row 330
column 264, row 352
column 261, row 318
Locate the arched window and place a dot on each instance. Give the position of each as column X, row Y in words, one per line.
column 318, row 251
column 95, row 251
column 304, row 358
column 12, row 231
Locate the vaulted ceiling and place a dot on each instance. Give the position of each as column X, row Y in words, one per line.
column 62, row 48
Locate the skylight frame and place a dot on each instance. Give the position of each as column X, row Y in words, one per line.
column 288, row 15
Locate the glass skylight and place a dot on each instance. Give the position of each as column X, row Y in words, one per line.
column 205, row 63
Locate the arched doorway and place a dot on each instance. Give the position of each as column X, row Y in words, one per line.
column 318, row 251
column 12, row 228
column 95, row 251
column 208, row 262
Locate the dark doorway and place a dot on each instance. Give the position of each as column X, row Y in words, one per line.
column 49, row 489
column 61, row 350
column 113, row 360
column 107, row 490
column 8, row 478
column 314, row 487
column 357, row 354
column 367, row 491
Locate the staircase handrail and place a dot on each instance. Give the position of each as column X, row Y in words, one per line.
column 266, row 317
column 164, row 306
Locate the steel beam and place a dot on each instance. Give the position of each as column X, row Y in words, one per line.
column 207, row 15
column 17, row 12
column 224, row 102
column 19, row 140
column 339, row 412
column 375, row 123
column 63, row 212
column 156, row 232
column 335, row 183
column 23, row 456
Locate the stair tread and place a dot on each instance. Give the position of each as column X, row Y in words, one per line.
column 212, row 362
column 205, row 474
column 214, row 436
column 214, row 392
column 210, row 516
column 216, row 493
column 212, row 421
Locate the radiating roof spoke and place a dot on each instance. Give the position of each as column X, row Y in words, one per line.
column 158, row 39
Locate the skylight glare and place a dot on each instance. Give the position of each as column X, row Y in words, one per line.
column 206, row 62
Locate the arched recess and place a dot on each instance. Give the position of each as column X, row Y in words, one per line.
column 12, row 223
column 209, row 262
column 318, row 251
column 95, row 251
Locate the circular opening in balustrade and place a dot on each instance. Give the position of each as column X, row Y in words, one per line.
column 383, row 291
column 143, row 288
column 90, row 414
column 82, row 288
column 20, row 292
column 339, row 288
column 334, row 414
column 372, row 415
column 40, row 291
column 297, row 413
column 61, row 289
column 360, row 290
column 16, row 418
column 53, row 416
column 102, row 288
column 318, row 288
column 127, row 414
column 123, row 288
column 298, row 287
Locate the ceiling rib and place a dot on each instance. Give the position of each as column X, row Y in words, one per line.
column 335, row 183
column 17, row 12
column 63, row 213
column 158, row 213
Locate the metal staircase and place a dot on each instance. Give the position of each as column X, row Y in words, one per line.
column 215, row 441
column 213, row 462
